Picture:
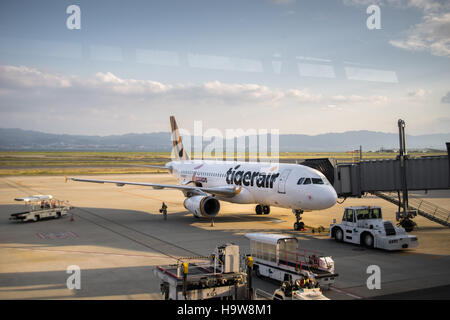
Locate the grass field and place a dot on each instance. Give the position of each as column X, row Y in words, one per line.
column 14, row 163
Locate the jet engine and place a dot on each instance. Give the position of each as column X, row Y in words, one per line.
column 202, row 206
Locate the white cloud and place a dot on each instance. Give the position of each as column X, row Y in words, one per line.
column 373, row 99
column 424, row 5
column 432, row 35
column 26, row 89
column 110, row 82
column 24, row 77
column 304, row 95
column 419, row 93
column 106, row 84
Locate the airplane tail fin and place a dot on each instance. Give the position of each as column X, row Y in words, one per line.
column 178, row 148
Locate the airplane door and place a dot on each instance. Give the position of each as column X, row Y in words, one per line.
column 282, row 181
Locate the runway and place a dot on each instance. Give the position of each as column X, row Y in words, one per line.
column 118, row 236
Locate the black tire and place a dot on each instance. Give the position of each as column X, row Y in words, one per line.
column 367, row 240
column 58, row 215
column 338, row 235
column 257, row 273
column 259, row 209
column 266, row 209
column 299, row 226
column 408, row 225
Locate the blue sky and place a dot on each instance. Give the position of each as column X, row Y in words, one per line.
column 298, row 66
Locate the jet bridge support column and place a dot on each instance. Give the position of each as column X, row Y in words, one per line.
column 404, row 216
column 448, row 157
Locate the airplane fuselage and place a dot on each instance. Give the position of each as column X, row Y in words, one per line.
column 264, row 183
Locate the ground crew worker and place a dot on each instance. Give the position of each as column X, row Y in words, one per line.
column 164, row 210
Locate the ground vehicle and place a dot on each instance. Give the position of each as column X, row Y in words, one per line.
column 196, row 278
column 278, row 257
column 364, row 225
column 298, row 291
column 39, row 207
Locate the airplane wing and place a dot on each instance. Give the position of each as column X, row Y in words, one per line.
column 151, row 166
column 225, row 191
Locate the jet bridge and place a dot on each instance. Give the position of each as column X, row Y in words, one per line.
column 424, row 173
column 383, row 178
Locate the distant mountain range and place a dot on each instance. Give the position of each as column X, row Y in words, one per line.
column 18, row 139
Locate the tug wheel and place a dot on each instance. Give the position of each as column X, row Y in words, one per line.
column 368, row 240
column 338, row 235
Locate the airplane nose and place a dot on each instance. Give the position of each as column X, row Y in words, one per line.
column 332, row 197
column 322, row 200
column 328, row 198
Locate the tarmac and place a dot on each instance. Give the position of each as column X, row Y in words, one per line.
column 117, row 237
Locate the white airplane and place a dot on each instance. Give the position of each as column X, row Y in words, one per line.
column 205, row 183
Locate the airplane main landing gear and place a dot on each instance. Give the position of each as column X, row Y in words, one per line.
column 262, row 209
column 298, row 225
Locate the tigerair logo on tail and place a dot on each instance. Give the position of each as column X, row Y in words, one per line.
column 251, row 178
column 179, row 151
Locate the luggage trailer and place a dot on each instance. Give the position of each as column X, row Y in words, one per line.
column 40, row 207
column 278, row 257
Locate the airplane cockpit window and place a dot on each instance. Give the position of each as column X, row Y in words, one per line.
column 317, row 181
column 300, row 181
column 325, row 180
column 307, row 181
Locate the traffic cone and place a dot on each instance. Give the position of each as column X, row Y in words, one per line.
column 71, row 218
column 212, row 222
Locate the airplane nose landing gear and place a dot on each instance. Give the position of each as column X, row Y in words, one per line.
column 260, row 209
column 298, row 225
